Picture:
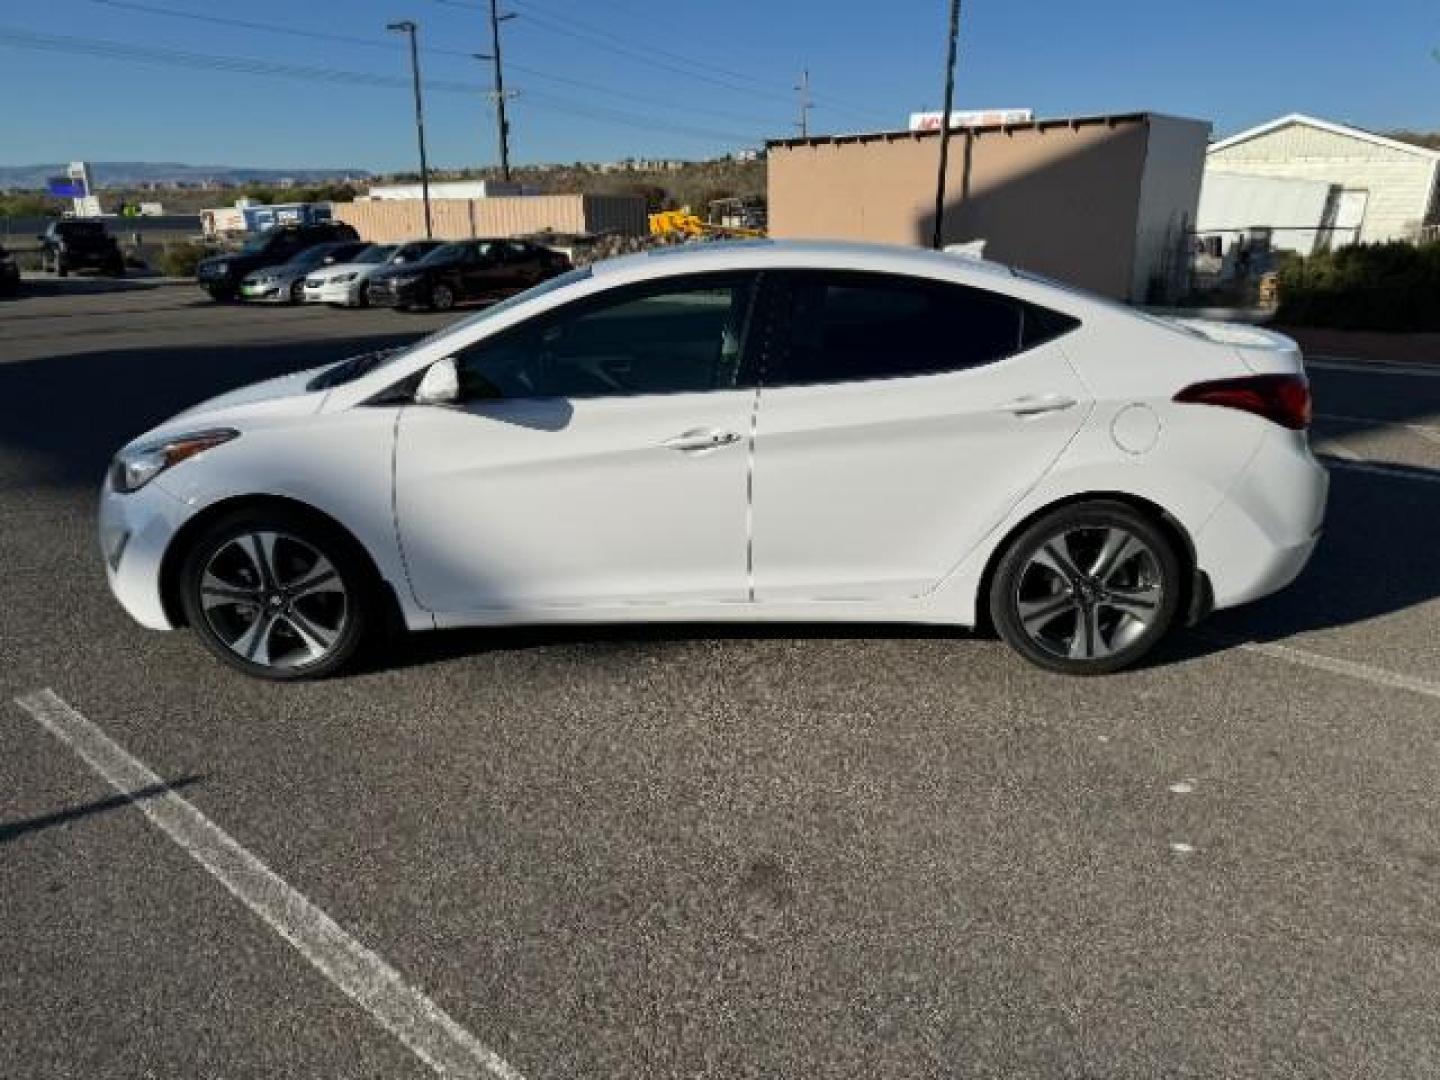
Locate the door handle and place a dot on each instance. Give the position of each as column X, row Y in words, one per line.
column 698, row 439
column 1038, row 404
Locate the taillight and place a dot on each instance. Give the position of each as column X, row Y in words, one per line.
column 1282, row 399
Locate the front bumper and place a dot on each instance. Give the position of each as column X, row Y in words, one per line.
column 271, row 292
column 135, row 532
column 347, row 293
column 386, row 293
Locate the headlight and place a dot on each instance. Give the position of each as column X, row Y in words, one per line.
column 343, row 279
column 133, row 469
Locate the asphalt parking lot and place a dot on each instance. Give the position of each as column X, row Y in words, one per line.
column 687, row 851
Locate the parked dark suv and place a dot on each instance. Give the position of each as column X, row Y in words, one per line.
column 9, row 274
column 80, row 245
column 221, row 275
column 466, row 270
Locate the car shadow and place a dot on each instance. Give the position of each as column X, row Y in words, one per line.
column 80, row 285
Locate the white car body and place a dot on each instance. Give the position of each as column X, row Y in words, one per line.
column 343, row 284
column 866, row 501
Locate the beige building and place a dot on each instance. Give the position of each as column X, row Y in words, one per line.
column 1380, row 188
column 387, row 220
column 1104, row 202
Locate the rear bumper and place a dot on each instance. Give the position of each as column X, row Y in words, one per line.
column 1264, row 532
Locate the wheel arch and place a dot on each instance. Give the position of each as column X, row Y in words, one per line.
column 186, row 537
column 1194, row 589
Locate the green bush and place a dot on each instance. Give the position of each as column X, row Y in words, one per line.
column 179, row 260
column 1394, row 286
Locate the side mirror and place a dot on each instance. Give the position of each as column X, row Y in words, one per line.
column 440, row 385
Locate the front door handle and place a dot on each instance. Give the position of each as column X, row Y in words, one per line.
column 1038, row 404
column 698, row 439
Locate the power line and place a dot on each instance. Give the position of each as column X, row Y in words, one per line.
column 428, row 50
column 18, row 38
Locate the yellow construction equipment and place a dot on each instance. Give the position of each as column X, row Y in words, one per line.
column 683, row 222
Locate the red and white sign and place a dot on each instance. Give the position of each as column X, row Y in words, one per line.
column 963, row 118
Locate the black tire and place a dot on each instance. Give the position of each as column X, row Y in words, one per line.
column 297, row 291
column 362, row 300
column 346, row 623
column 62, row 268
column 1081, row 622
column 220, row 295
column 442, row 297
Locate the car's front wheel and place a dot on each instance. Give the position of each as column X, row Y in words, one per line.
column 277, row 595
column 442, row 297
column 1088, row 589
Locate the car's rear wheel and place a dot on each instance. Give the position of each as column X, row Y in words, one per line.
column 297, row 292
column 277, row 596
column 1088, row 589
column 362, row 298
column 442, row 296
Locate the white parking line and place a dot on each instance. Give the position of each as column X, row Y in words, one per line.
column 1367, row 367
column 1334, row 448
column 364, row 977
column 1392, row 471
column 1305, row 658
column 1425, row 431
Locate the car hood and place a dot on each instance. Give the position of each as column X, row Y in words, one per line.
column 284, row 396
column 283, row 271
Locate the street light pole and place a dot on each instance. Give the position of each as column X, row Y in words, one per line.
column 938, row 241
column 407, row 26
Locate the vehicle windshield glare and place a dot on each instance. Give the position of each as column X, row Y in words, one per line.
column 375, row 253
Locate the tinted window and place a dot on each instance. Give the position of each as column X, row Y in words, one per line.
column 659, row 339
column 850, row 326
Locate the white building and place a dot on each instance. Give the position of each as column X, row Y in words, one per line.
column 448, row 189
column 1376, row 188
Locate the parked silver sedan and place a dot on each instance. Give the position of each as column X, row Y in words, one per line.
column 348, row 284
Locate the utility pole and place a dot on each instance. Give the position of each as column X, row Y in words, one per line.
column 804, row 91
column 408, row 27
column 499, row 95
column 938, row 241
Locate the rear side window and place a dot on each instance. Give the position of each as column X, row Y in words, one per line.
column 852, row 326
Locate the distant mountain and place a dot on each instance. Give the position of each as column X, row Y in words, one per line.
column 111, row 174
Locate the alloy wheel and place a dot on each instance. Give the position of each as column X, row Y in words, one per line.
column 274, row 600
column 1089, row 592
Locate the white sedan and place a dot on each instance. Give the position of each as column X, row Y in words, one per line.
column 347, row 284
column 739, row 431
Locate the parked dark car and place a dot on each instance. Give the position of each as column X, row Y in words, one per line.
column 9, row 274
column 220, row 275
column 466, row 270
column 80, row 245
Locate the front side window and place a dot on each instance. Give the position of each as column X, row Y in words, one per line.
column 669, row 338
column 848, row 326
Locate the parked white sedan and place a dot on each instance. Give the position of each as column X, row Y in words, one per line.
column 348, row 284
column 741, row 431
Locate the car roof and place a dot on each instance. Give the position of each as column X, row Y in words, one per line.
column 835, row 254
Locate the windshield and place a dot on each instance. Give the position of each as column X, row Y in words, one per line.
column 312, row 256
column 351, row 369
column 256, row 244
column 416, row 249
column 375, row 253
column 444, row 253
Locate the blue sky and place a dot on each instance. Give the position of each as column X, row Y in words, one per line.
column 720, row 77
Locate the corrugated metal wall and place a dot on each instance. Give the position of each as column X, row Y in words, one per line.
column 387, row 220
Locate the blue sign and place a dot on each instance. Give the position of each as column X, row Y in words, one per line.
column 72, row 187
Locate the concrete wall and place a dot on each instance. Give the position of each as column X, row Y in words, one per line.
column 1401, row 184
column 1060, row 198
column 461, row 219
column 1169, row 198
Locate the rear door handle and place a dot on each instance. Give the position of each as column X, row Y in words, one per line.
column 1038, row 404
column 698, row 439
